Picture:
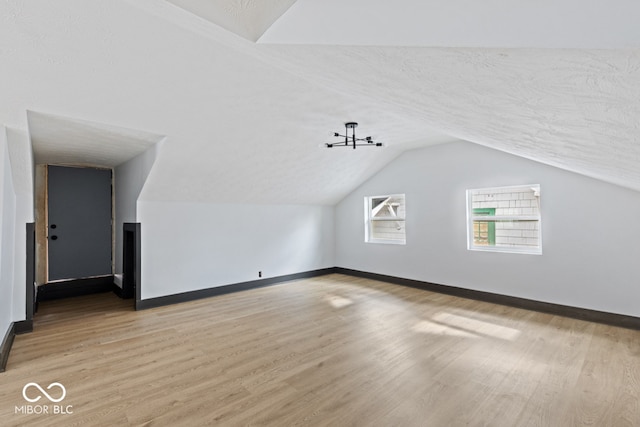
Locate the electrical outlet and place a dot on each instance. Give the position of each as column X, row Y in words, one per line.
column 259, row 273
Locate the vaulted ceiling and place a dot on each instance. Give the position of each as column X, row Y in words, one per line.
column 245, row 93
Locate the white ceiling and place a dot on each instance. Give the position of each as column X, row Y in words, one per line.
column 62, row 140
column 245, row 122
column 461, row 23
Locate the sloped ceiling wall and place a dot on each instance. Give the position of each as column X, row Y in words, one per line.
column 549, row 24
column 63, row 140
column 247, row 18
column 245, row 122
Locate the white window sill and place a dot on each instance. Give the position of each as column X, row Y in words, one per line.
column 508, row 250
column 387, row 241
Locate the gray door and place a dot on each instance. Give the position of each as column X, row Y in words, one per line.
column 79, row 222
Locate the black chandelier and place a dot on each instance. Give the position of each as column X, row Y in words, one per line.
column 351, row 140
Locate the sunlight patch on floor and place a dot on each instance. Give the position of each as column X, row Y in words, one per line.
column 426, row 327
column 337, row 301
column 477, row 326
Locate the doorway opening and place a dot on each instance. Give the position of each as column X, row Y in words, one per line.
column 128, row 153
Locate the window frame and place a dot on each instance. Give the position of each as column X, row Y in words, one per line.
column 477, row 214
column 368, row 236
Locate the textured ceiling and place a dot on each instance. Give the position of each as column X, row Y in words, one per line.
column 575, row 109
column 65, row 141
column 245, row 122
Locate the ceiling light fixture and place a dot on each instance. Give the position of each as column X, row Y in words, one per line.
column 351, row 140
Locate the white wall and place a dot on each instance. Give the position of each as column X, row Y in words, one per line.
column 22, row 173
column 190, row 246
column 129, row 179
column 16, row 210
column 7, row 233
column 590, row 230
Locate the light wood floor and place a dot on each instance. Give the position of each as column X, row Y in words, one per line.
column 328, row 351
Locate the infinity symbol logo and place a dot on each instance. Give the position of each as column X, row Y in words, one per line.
column 24, row 392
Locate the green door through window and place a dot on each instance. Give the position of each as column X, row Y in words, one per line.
column 484, row 232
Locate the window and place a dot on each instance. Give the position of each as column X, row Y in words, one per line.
column 505, row 219
column 385, row 219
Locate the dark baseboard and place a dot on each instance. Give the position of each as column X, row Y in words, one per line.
column 221, row 290
column 23, row 326
column 118, row 291
column 613, row 319
column 5, row 346
column 30, row 285
column 620, row 320
column 74, row 288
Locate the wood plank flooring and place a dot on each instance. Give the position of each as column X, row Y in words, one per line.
column 328, row 351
